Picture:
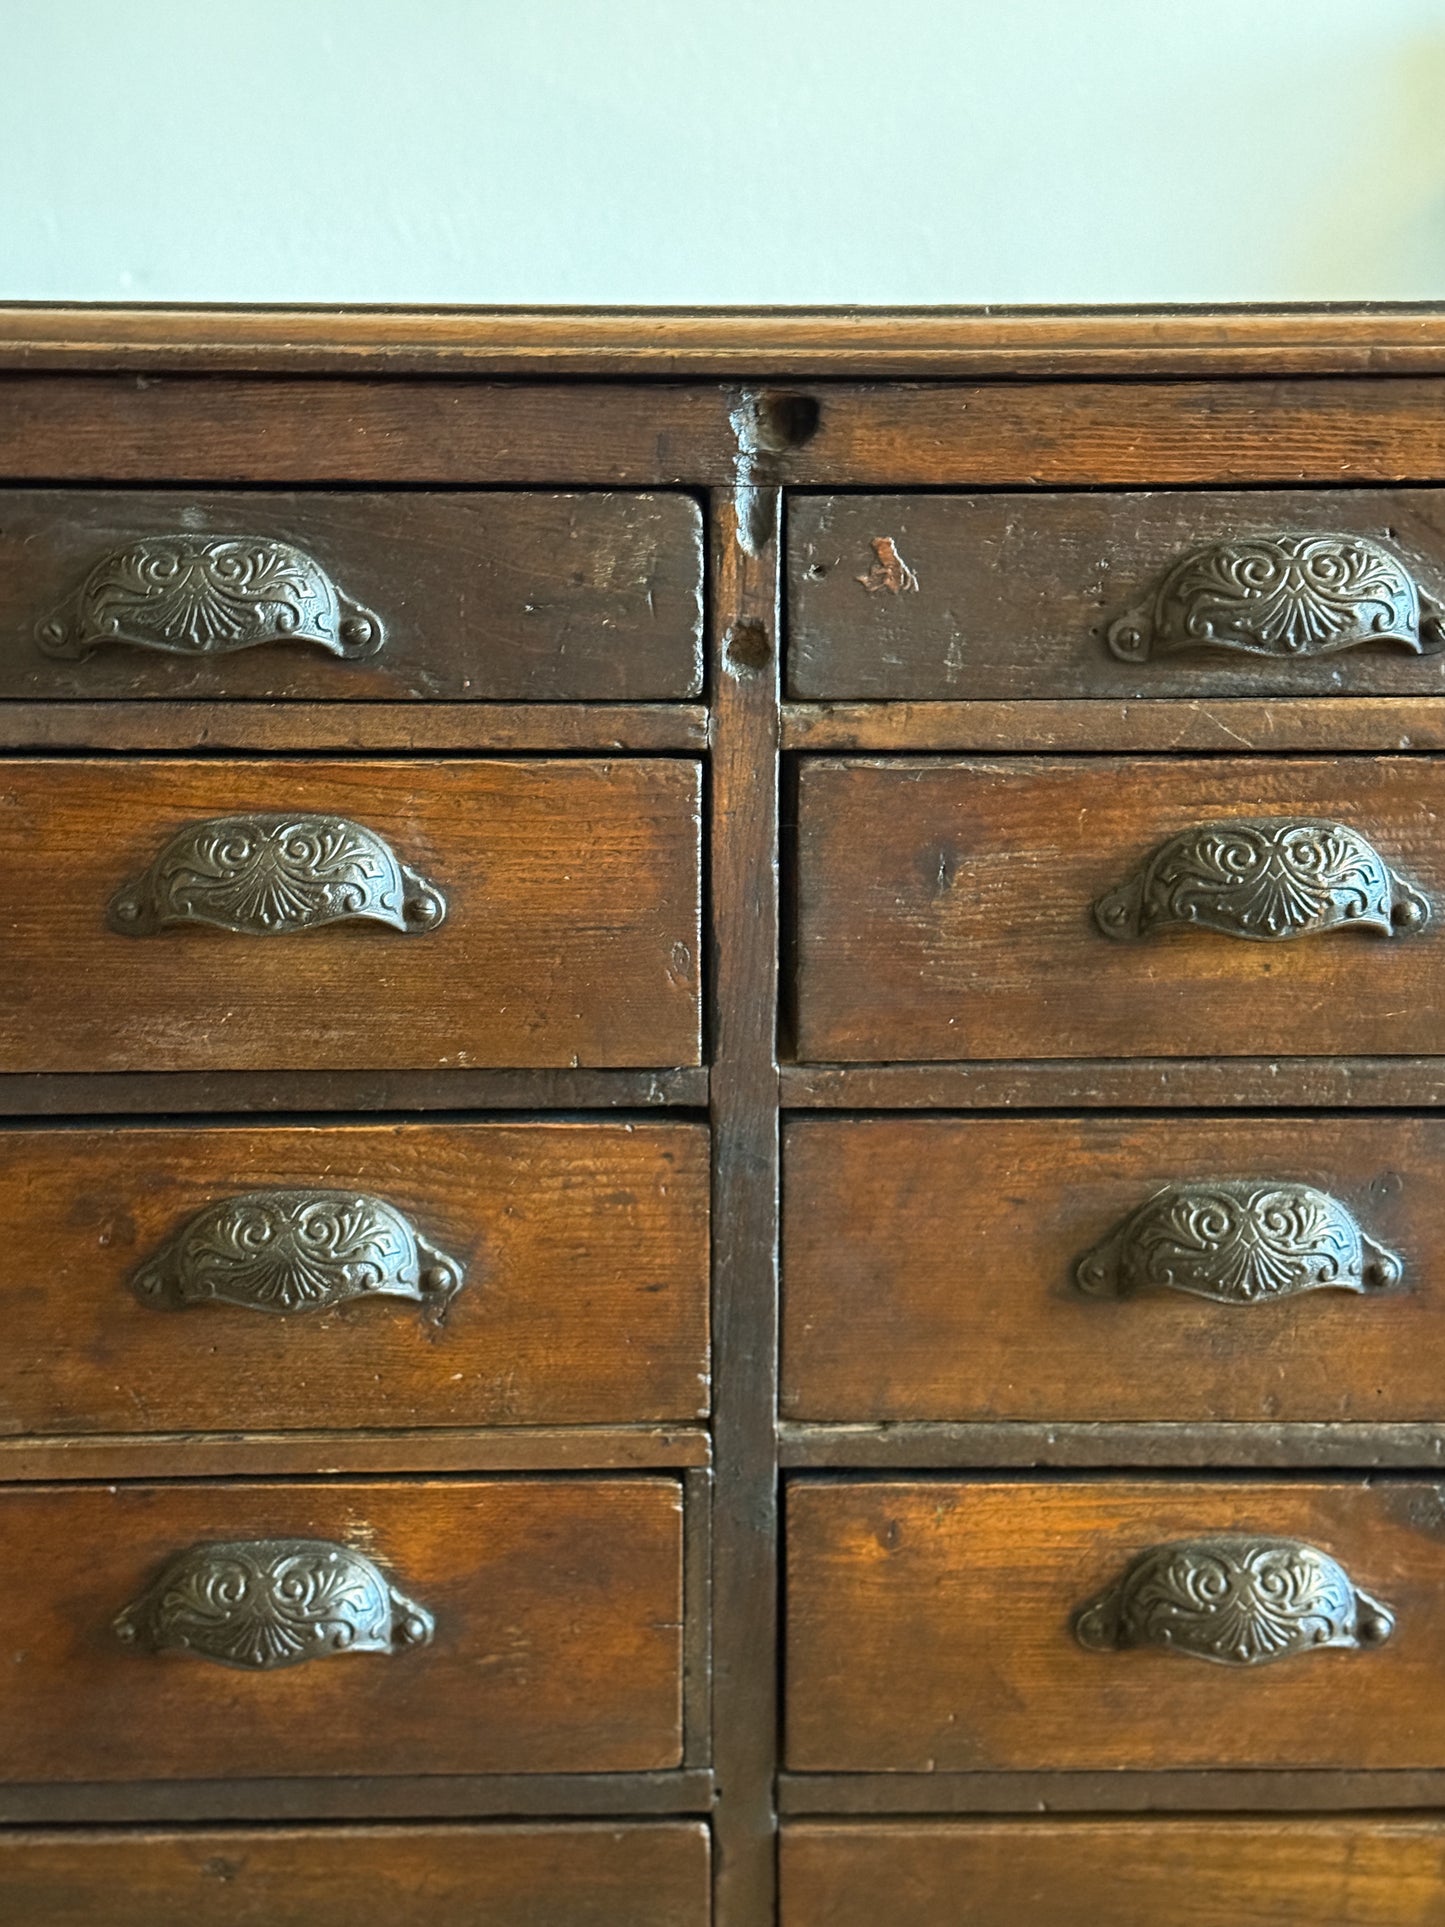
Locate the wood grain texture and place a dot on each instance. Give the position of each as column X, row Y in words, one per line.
column 521, row 598
column 571, row 936
column 1150, row 1083
column 1380, row 337
column 928, row 1273
column 122, row 1093
column 647, row 1875
column 945, row 912
column 1132, row 1873
column 951, row 1446
column 930, row 1630
column 585, row 1248
column 557, row 1647
column 1015, row 594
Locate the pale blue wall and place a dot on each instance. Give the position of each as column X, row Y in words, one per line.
column 752, row 150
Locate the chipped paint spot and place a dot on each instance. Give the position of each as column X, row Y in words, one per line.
column 888, row 569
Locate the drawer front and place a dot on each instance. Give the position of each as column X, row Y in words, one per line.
column 1040, row 907
column 537, row 1629
column 949, row 597
column 1131, row 1873
column 960, row 1625
column 620, row 1875
column 458, row 1274
column 570, row 933
column 1100, row 1268
column 439, row 597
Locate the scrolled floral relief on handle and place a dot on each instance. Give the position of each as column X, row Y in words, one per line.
column 1289, row 596
column 208, row 595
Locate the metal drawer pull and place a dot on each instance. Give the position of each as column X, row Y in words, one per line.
column 273, row 875
column 1266, row 878
column 1286, row 596
column 267, row 1603
column 208, row 596
column 1238, row 1242
column 1238, row 1600
column 294, row 1251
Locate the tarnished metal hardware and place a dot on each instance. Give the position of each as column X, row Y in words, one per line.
column 1238, row 1242
column 1239, row 1599
column 263, row 1604
column 1286, row 596
column 274, row 874
column 295, row 1251
column 1266, row 878
column 208, row 595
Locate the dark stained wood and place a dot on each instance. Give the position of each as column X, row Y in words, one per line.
column 649, row 1875
column 1011, row 596
column 585, row 1248
column 571, row 935
column 1229, row 724
column 1370, row 337
column 928, row 1273
column 1132, row 1873
column 930, row 1630
column 209, row 1455
column 216, row 429
column 41, row 1094
column 1106, row 1792
column 949, row 1447
column 1228, row 1083
column 522, row 598
column 945, row 912
column 745, row 930
column 353, row 726
column 557, row 1647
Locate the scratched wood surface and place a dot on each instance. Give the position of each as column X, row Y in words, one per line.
column 1005, row 596
column 558, row 1644
column 643, row 1875
column 571, row 935
column 585, row 1248
column 945, row 911
column 929, row 1629
column 1339, row 1872
column 524, row 598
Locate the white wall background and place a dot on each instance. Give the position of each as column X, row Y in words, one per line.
column 633, row 151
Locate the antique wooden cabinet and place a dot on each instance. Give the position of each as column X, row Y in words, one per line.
column 722, row 1047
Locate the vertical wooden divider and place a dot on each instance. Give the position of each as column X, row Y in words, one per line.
column 744, row 629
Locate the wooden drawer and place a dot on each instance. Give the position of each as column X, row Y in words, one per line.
column 142, row 1266
column 932, row 1625
column 555, row 1644
column 947, row 909
column 533, row 597
column 570, row 933
column 1006, row 596
column 1339, row 1872
column 619, row 1875
column 1097, row 1268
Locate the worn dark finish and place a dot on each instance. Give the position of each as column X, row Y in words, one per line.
column 946, row 911
column 1040, row 596
column 930, row 1629
column 571, row 935
column 538, row 597
column 1151, row 1083
column 584, row 1248
column 557, row 1644
column 1133, row 1873
column 923, row 1445
column 647, row 1875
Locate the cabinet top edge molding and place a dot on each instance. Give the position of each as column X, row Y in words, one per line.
column 794, row 343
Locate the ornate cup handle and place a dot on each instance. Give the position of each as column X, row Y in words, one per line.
column 267, row 1603
column 191, row 595
column 1239, row 1242
column 1266, row 878
column 295, row 1251
column 1238, row 1600
column 273, row 875
column 1286, row 596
